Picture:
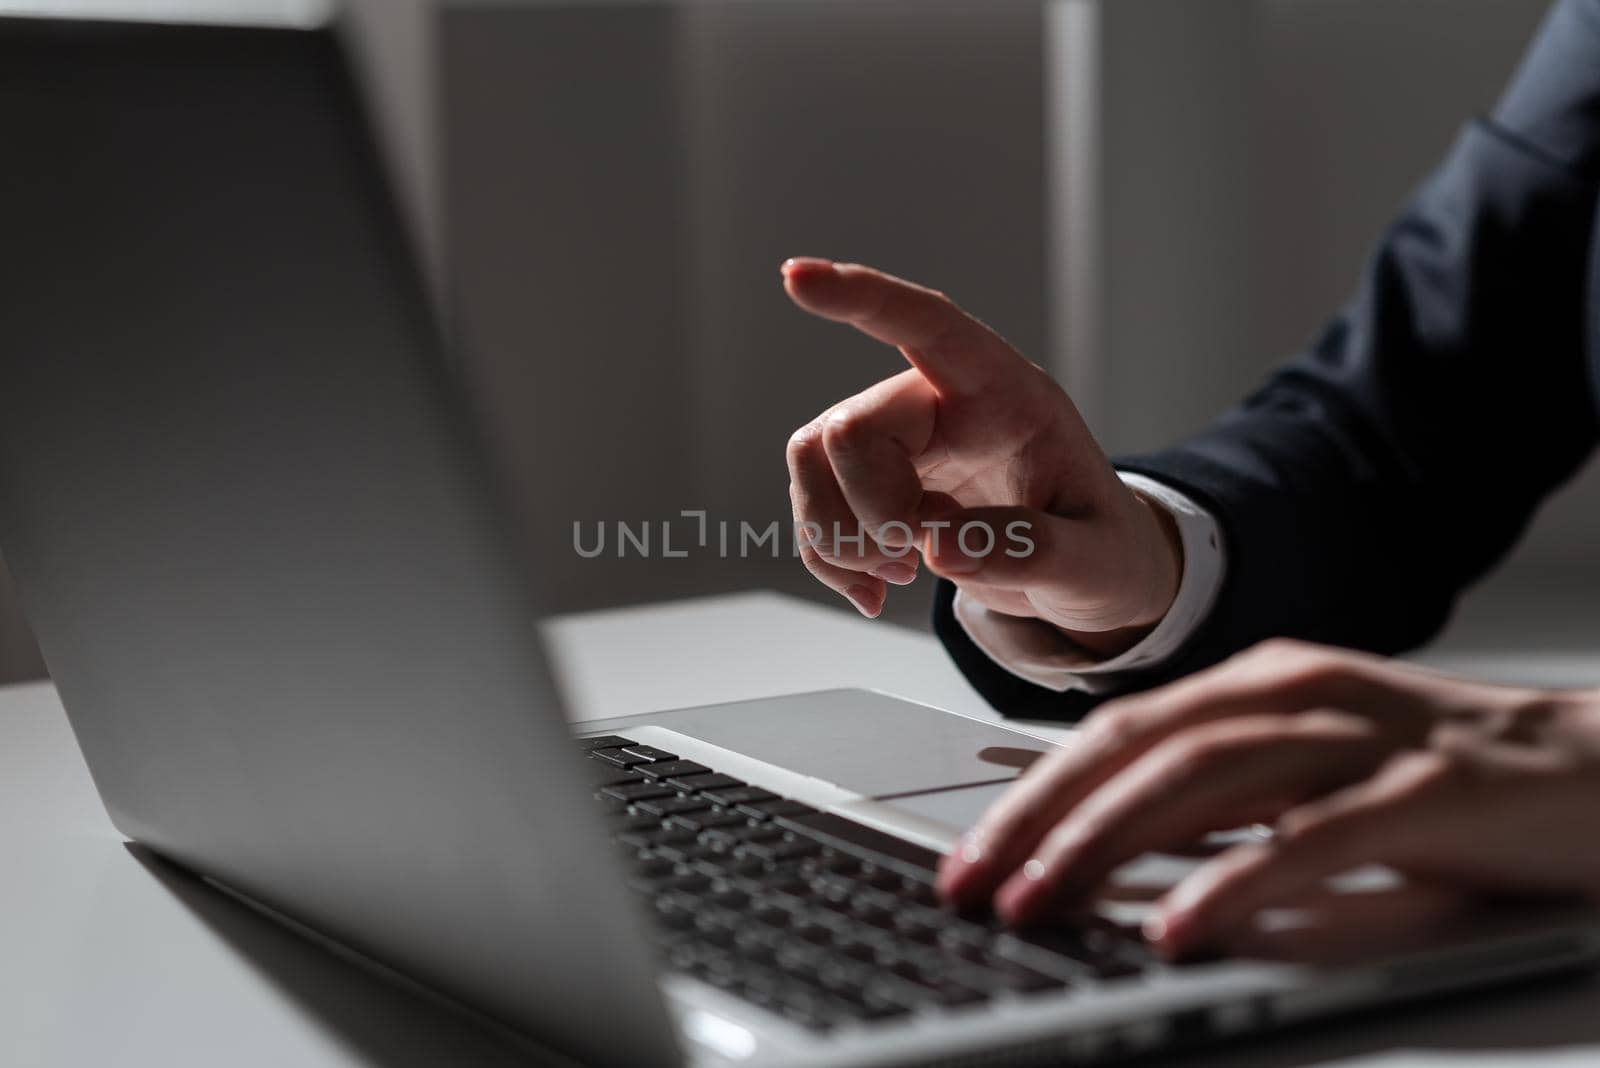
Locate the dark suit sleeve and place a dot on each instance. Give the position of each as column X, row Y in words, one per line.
column 1375, row 476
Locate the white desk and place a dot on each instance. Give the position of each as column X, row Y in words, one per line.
column 108, row 959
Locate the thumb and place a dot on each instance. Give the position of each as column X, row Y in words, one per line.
column 1074, row 573
column 1011, row 548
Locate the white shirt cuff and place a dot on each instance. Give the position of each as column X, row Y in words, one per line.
column 1041, row 654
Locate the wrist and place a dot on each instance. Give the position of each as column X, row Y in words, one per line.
column 1153, row 583
column 1162, row 551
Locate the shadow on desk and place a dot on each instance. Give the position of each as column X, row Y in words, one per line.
column 380, row 1022
column 386, row 1025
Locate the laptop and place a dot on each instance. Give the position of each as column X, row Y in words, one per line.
column 254, row 516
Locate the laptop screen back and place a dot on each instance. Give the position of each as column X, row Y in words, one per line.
column 255, row 539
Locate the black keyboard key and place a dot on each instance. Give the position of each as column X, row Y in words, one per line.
column 920, row 893
column 731, row 837
column 858, row 949
column 1102, row 953
column 912, row 970
column 728, row 897
column 653, row 869
column 846, row 978
column 757, row 942
column 696, row 856
column 638, row 791
column 960, row 932
column 743, row 867
column 618, row 757
column 910, row 918
column 778, row 849
column 675, row 911
column 634, row 821
column 602, row 774
column 831, row 886
column 869, row 911
column 772, row 915
column 874, row 1006
column 1022, row 979
column 688, row 882
column 881, row 878
column 787, row 885
column 672, row 768
column 717, row 926
column 741, row 795
column 655, row 836
column 604, row 741
column 720, row 970
column 671, row 806
column 709, row 780
column 875, row 900
column 708, row 818
column 840, row 864
column 804, row 954
column 708, row 862
column 849, row 836
column 952, row 994
column 781, row 806
column 651, row 753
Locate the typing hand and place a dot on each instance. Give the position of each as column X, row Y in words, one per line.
column 975, row 460
column 1467, row 788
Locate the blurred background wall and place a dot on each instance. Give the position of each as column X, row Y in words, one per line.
column 1154, row 198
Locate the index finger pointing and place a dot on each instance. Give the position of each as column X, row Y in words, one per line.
column 953, row 350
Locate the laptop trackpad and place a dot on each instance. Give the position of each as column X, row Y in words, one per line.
column 867, row 743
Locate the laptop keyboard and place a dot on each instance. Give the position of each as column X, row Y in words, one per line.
column 813, row 916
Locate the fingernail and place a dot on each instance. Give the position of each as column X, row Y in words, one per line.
column 801, row 261
column 897, row 573
column 956, row 869
column 970, row 849
column 865, row 600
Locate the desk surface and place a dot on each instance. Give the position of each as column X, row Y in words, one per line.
column 109, row 957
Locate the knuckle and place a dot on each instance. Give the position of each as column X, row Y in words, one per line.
column 847, row 429
column 1114, row 726
column 1315, row 674
column 1298, row 827
column 801, row 442
column 822, row 571
column 1427, row 771
column 1297, row 665
column 1277, row 648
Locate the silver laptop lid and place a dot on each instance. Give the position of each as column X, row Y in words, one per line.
column 253, row 531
